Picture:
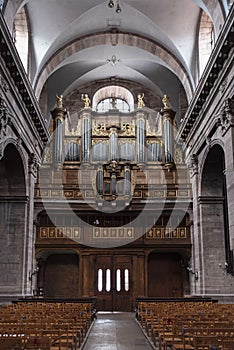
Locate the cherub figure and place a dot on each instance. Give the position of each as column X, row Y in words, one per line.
column 86, row 99
column 140, row 102
column 166, row 101
column 59, row 101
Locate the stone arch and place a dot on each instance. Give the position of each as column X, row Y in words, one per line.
column 58, row 275
column 13, row 218
column 215, row 240
column 206, row 166
column 16, row 143
column 106, row 39
column 12, row 179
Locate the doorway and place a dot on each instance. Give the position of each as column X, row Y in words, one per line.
column 165, row 278
column 113, row 283
column 61, row 276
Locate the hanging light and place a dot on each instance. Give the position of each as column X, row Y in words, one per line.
column 118, row 8
column 111, row 4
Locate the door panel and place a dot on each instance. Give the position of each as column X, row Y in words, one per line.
column 165, row 275
column 122, row 288
column 61, row 276
column 104, row 295
column 113, row 283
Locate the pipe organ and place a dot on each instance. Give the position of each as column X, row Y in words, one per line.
column 115, row 145
column 113, row 179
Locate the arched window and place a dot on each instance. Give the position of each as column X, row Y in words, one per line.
column 113, row 103
column 113, row 97
column 206, row 41
column 21, row 36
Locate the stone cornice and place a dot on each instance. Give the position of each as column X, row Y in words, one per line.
column 16, row 70
column 208, row 81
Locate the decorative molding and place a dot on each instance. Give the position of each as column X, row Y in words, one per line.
column 33, row 164
column 59, row 232
column 113, row 232
column 1, row 150
column 4, row 84
column 209, row 83
column 226, row 116
column 99, row 129
column 193, row 165
column 167, row 233
column 25, row 93
column 128, row 129
column 5, row 119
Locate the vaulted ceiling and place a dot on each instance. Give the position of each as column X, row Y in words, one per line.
column 152, row 43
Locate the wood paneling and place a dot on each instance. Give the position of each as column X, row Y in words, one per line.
column 62, row 276
column 165, row 275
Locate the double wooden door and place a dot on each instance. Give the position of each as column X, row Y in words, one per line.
column 113, row 283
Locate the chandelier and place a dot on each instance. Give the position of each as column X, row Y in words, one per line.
column 113, row 4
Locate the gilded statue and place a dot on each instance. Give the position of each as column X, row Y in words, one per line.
column 140, row 102
column 59, row 101
column 166, row 101
column 86, row 99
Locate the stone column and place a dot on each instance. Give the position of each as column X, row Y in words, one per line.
column 127, row 180
column 100, row 182
column 86, row 134
column 58, row 115
column 195, row 262
column 113, row 144
column 168, row 132
column 227, row 123
column 29, row 248
column 140, row 136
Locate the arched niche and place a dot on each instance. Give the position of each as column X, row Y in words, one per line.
column 215, row 240
column 13, row 219
column 12, row 177
column 58, row 275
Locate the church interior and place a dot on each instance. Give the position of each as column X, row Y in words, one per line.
column 117, row 156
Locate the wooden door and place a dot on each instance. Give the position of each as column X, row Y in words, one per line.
column 113, row 283
column 165, row 275
column 61, row 276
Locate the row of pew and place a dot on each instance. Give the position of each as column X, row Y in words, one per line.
column 44, row 326
column 187, row 325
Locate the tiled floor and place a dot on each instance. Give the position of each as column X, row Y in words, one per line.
column 116, row 331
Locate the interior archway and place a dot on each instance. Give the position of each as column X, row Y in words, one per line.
column 214, row 214
column 61, row 275
column 13, row 211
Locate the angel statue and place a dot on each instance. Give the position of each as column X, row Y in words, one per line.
column 59, row 101
column 166, row 101
column 86, row 99
column 140, row 102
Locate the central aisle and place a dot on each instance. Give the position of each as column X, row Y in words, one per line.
column 116, row 331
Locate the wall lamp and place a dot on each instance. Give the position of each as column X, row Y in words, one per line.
column 195, row 273
column 112, row 4
column 34, row 272
column 227, row 268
